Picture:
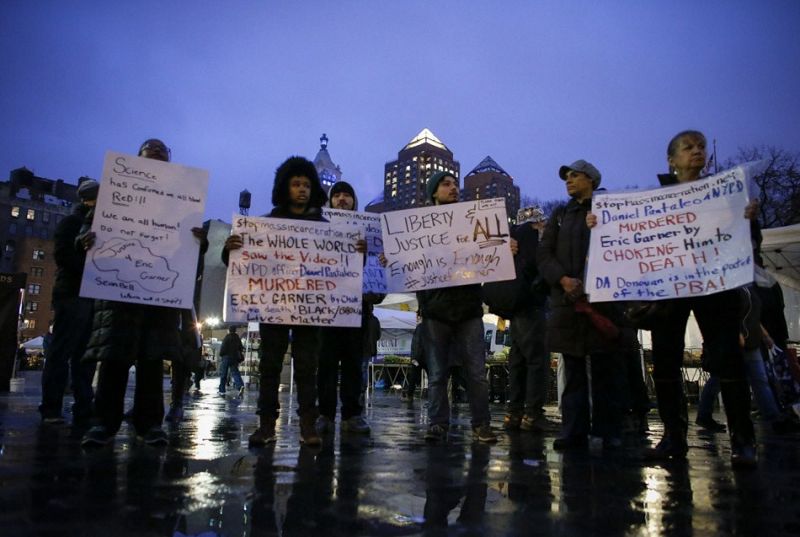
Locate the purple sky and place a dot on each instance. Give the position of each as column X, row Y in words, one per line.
column 533, row 84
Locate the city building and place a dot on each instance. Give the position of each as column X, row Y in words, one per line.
column 405, row 179
column 489, row 180
column 30, row 209
column 329, row 172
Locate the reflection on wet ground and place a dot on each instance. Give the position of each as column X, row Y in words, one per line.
column 207, row 482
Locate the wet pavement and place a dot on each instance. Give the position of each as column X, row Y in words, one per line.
column 208, row 482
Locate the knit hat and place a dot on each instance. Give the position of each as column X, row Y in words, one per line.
column 88, row 189
column 583, row 167
column 533, row 214
column 433, row 182
column 342, row 186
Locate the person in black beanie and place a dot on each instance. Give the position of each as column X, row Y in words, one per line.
column 342, row 348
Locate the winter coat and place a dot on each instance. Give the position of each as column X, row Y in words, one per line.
column 69, row 258
column 451, row 304
column 132, row 332
column 562, row 252
column 528, row 290
column 232, row 346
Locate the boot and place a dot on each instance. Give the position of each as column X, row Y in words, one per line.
column 265, row 433
column 674, row 414
column 308, row 431
column 736, row 399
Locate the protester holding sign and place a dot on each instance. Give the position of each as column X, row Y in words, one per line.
column 453, row 318
column 574, row 328
column 343, row 347
column 125, row 334
column 298, row 195
column 717, row 316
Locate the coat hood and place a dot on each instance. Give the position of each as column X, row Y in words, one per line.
column 297, row 167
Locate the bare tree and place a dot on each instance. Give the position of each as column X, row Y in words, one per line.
column 779, row 184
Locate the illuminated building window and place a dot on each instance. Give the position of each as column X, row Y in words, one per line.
column 31, row 215
column 38, row 255
column 34, row 289
column 32, row 306
column 15, row 212
column 37, row 271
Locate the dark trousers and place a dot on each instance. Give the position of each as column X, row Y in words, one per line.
column 606, row 408
column 305, row 346
column 634, row 390
column 148, row 397
column 71, row 331
column 717, row 317
column 341, row 349
column 181, row 380
column 528, row 364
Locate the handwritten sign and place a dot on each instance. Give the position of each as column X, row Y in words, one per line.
column 447, row 245
column 145, row 252
column 369, row 227
column 689, row 239
column 294, row 272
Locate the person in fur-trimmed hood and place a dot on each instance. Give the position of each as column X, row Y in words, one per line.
column 296, row 194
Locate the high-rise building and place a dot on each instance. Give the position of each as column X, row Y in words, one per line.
column 30, row 209
column 405, row 179
column 329, row 172
column 489, row 180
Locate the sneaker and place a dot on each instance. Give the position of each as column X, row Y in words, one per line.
column 308, row 432
column 174, row 414
column 325, row 425
column 566, row 443
column 96, row 436
column 436, row 433
column 355, row 424
column 711, row 425
column 263, row 435
column 484, row 433
column 241, row 391
column 512, row 422
column 155, row 437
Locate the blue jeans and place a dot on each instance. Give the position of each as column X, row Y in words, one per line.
column 466, row 339
column 757, row 378
column 226, row 364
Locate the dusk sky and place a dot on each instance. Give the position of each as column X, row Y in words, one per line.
column 236, row 87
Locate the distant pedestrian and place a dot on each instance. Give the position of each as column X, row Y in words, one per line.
column 231, row 354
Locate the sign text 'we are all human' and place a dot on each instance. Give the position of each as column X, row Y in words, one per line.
column 294, row 272
column 689, row 239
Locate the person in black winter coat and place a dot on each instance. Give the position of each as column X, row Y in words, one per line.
column 296, row 194
column 125, row 334
column 523, row 301
column 717, row 316
column 562, row 262
column 73, row 319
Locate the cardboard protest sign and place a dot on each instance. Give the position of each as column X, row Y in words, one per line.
column 447, row 245
column 690, row 239
column 294, row 272
column 369, row 226
column 144, row 251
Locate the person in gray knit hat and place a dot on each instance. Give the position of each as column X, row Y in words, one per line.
column 72, row 321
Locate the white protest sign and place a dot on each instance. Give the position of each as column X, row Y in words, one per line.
column 447, row 245
column 293, row 272
column 144, row 250
column 369, row 225
column 689, row 239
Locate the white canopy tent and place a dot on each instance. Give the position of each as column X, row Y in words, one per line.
column 781, row 252
column 35, row 344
